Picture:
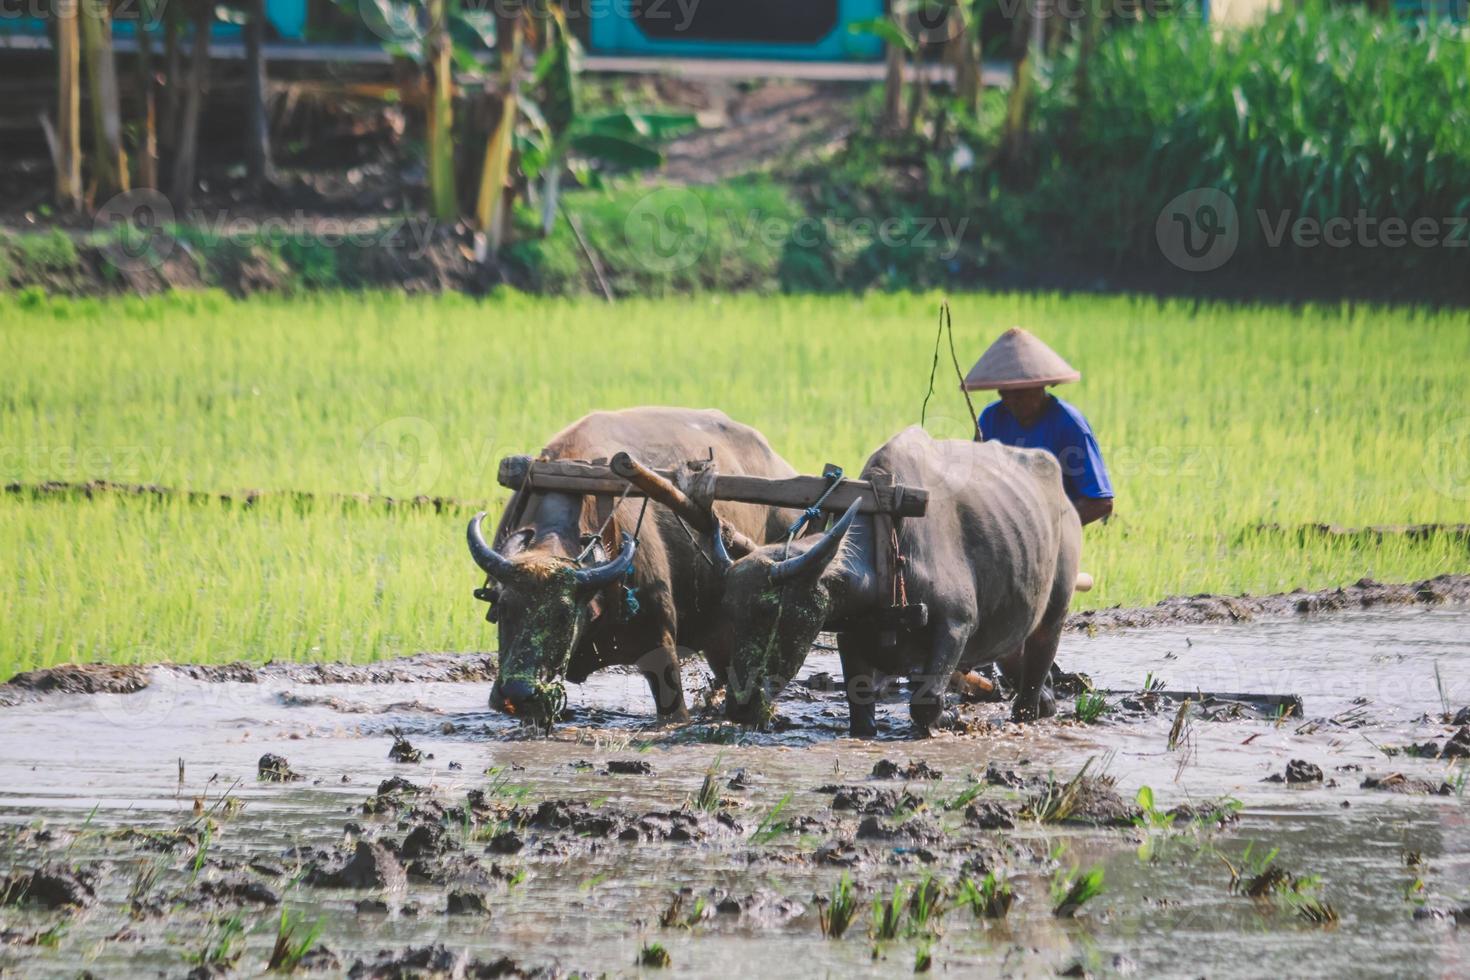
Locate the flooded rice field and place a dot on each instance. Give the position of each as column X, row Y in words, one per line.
column 404, row 830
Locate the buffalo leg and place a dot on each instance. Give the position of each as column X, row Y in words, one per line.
column 926, row 703
column 860, row 684
column 1034, row 699
column 660, row 667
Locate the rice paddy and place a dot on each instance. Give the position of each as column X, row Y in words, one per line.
column 1214, row 419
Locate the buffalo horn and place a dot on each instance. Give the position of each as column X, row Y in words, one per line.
column 815, row 559
column 496, row 565
column 717, row 545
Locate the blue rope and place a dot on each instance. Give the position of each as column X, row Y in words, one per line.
column 812, row 513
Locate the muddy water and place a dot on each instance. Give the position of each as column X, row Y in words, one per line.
column 75, row 769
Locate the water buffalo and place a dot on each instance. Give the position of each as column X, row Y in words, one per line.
column 995, row 559
column 559, row 618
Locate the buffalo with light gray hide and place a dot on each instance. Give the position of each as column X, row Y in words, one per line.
column 995, row 558
column 561, row 619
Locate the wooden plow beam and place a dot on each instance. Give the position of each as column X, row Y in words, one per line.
column 797, row 492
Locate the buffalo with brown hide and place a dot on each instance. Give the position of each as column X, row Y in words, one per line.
column 561, row 604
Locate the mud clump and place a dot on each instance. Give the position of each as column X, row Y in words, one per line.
column 840, row 854
column 50, row 886
column 1430, row 913
column 1090, row 801
column 629, row 767
column 420, row 962
column 680, row 826
column 573, row 817
column 83, row 679
column 760, row 908
column 1458, row 747
column 871, row 800
column 1397, row 782
column 1207, row 608
column 888, row 769
column 466, row 903
column 989, row 815
column 238, row 890
column 403, row 751
column 1299, row 772
column 371, row 866
column 275, row 769
column 914, row 831
column 1009, row 778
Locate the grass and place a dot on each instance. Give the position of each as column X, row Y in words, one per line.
column 1071, row 889
column 1214, row 419
column 292, row 944
column 990, row 899
column 836, row 916
column 1090, row 706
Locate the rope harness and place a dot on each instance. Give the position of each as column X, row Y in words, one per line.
column 814, row 512
column 946, row 325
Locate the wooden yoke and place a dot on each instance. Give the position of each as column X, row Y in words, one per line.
column 662, row 490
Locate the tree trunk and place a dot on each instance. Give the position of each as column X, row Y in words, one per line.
column 68, row 108
column 257, row 123
column 443, row 203
column 492, row 211
column 1016, row 135
column 173, row 77
column 893, row 88
column 964, row 54
column 186, row 147
column 148, row 152
column 109, row 162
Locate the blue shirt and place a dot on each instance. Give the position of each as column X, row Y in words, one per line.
column 1062, row 430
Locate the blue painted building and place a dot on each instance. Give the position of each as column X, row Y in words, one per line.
column 794, row 30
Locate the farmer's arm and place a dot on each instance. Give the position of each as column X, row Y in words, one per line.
column 1084, row 474
column 1093, row 508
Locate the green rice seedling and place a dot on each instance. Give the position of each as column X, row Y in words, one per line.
column 771, row 825
column 1179, row 732
column 964, row 797
column 222, row 944
column 51, row 937
column 674, row 916
column 1090, row 706
column 1303, row 897
column 840, row 909
column 1070, row 890
column 1056, row 802
column 924, row 957
column 888, row 914
column 708, row 797
column 990, row 899
column 1252, row 867
column 292, row 945
column 201, row 852
column 927, row 906
column 655, row 955
column 1446, row 712
column 1152, row 818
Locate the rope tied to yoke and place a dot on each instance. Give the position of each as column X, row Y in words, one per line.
column 947, row 325
column 814, row 512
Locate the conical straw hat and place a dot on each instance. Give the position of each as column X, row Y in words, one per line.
column 1019, row 360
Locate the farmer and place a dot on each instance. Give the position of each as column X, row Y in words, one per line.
column 1020, row 367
